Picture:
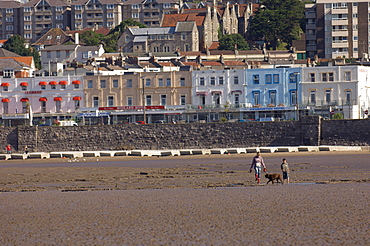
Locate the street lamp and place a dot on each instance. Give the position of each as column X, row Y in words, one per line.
column 143, row 98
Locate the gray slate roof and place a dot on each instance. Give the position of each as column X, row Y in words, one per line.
column 11, row 63
column 185, row 26
column 61, row 47
column 151, row 31
column 7, row 53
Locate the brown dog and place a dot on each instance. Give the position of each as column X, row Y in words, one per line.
column 272, row 177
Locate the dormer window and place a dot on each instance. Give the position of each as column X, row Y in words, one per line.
column 49, row 38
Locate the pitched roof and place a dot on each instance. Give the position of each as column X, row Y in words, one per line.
column 33, row 3
column 7, row 53
column 10, row 62
column 55, row 36
column 88, row 48
column 184, row 26
column 172, row 19
column 214, row 46
column 61, row 47
column 102, row 30
column 26, row 60
column 9, row 4
column 151, row 30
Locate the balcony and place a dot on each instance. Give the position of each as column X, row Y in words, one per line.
column 325, row 104
column 340, row 44
column 343, row 10
column 310, row 15
column 339, row 33
column 339, row 22
column 311, row 47
column 310, row 36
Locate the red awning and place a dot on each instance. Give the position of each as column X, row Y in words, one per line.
column 5, row 84
column 43, row 83
column 53, row 83
column 43, row 99
column 76, row 98
column 215, row 92
column 24, row 84
column 24, row 100
column 58, row 99
column 76, row 82
column 63, row 82
column 5, row 100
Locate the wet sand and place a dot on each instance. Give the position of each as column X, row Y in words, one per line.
column 186, row 201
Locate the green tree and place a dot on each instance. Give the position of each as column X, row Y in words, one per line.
column 16, row 44
column 232, row 41
column 338, row 116
column 91, row 38
column 126, row 23
column 277, row 21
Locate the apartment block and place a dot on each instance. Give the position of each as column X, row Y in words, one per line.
column 337, row 28
column 9, row 19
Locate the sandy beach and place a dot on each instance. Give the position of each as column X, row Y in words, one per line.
column 203, row 200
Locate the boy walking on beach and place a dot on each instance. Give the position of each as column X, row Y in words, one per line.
column 285, row 170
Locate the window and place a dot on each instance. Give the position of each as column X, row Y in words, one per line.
column 293, row 77
column 9, row 28
column 129, row 101
column 27, row 9
column 236, row 80
column 166, row 5
column 268, row 79
column 135, row 15
column 27, row 35
column 276, row 79
column 59, row 8
column 58, row 53
column 8, row 73
column 48, row 54
column 347, row 76
column 348, row 97
column 27, row 18
column 327, row 77
column 5, row 88
column 24, row 107
column 43, row 87
column 110, row 101
column 272, row 97
column 256, row 79
column 68, row 53
column 43, row 107
column 59, row 17
column 58, row 106
column 201, row 81
column 163, row 100
column 90, row 84
column 76, row 86
column 9, row 10
column 9, row 19
column 115, row 83
column 256, row 98
column 147, row 82
column 182, row 100
column 237, row 99
column 183, row 36
column 216, row 99
column 95, row 102
column 77, row 104
column 27, row 27
column 160, row 82
column 312, row 77
column 168, row 82
column 62, row 86
column 213, row 81
column 327, row 96
column 53, row 87
column 103, row 84
column 293, row 97
column 110, row 15
column 129, row 83
column 135, row 6
column 148, row 100
column 110, row 6
column 78, row 16
column 313, row 97
column 166, row 49
column 220, row 80
column 24, row 88
column 182, row 82
column 78, row 7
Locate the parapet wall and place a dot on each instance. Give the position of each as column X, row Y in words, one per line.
column 309, row 130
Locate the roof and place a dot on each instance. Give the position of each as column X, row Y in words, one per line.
column 150, row 31
column 172, row 19
column 211, row 63
column 11, row 63
column 33, row 3
column 142, row 1
column 102, row 30
column 83, row 2
column 51, row 37
column 235, row 63
column 214, row 46
column 61, row 47
column 140, row 39
column 7, row 53
column 185, row 26
column 88, row 48
column 9, row 4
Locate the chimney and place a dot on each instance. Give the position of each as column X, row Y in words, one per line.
column 77, row 37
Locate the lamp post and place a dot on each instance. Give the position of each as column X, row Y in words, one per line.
column 143, row 98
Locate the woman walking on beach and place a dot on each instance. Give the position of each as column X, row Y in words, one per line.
column 258, row 164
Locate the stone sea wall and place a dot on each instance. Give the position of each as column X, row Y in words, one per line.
column 310, row 130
